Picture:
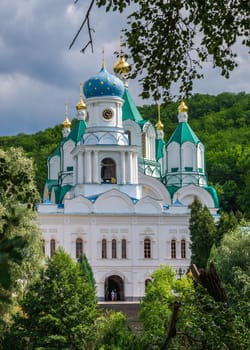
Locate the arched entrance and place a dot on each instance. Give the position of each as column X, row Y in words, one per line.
column 114, row 288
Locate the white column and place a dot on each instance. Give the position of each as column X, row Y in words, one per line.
column 80, row 168
column 88, row 167
column 135, row 167
column 123, row 169
column 178, row 249
column 130, row 165
column 75, row 171
column 95, row 167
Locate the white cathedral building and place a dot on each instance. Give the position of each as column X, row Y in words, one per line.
column 117, row 192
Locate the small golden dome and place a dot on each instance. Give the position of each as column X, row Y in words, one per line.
column 121, row 66
column 182, row 107
column 66, row 123
column 80, row 105
column 159, row 125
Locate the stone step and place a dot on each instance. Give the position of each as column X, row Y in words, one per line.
column 129, row 309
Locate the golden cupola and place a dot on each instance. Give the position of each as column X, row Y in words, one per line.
column 159, row 125
column 66, row 123
column 121, row 66
column 80, row 105
column 182, row 107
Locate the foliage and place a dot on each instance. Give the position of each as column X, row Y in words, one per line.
column 87, row 271
column 169, row 41
column 19, row 236
column 206, row 324
column 113, row 333
column 38, row 147
column 227, row 222
column 154, row 310
column 58, row 311
column 201, row 323
column 232, row 260
column 202, row 233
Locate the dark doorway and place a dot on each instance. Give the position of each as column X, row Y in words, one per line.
column 114, row 288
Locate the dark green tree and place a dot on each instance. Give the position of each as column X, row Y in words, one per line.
column 227, row 222
column 202, row 233
column 58, row 311
column 170, row 40
column 232, row 259
column 88, row 274
column 20, row 251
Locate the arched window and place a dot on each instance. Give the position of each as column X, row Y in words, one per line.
column 124, row 249
column 173, row 249
column 114, row 255
column 108, row 171
column 183, row 249
column 104, row 249
column 79, row 247
column 52, row 247
column 147, row 248
column 43, row 246
column 127, row 132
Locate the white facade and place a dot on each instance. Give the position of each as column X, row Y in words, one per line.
column 117, row 193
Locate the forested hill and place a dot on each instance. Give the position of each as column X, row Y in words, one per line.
column 221, row 122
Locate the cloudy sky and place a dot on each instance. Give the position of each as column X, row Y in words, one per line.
column 38, row 74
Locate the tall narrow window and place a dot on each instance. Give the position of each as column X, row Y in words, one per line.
column 104, row 249
column 127, row 132
column 183, row 249
column 79, row 247
column 124, row 249
column 114, row 255
column 52, row 247
column 147, row 248
column 43, row 246
column 173, row 249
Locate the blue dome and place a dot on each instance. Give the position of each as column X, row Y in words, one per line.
column 103, row 84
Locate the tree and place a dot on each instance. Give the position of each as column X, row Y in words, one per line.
column 155, row 310
column 181, row 314
column 227, row 222
column 87, row 271
column 19, row 235
column 232, row 260
column 58, row 311
column 170, row 40
column 202, row 233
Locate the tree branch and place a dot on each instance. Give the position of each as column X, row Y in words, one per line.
column 86, row 19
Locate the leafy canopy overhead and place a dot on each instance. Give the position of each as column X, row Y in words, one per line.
column 170, row 40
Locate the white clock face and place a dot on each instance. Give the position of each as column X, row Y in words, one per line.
column 107, row 114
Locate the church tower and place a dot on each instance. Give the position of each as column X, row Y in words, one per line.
column 104, row 156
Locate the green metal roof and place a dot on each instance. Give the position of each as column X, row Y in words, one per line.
column 63, row 191
column 184, row 133
column 57, row 152
column 51, row 183
column 213, row 193
column 77, row 131
column 129, row 109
